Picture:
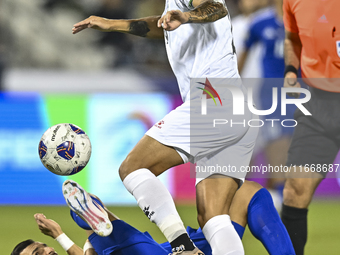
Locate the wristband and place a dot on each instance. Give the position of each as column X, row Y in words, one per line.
column 64, row 241
column 87, row 246
column 290, row 68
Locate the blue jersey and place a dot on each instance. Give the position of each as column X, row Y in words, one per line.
column 126, row 240
column 268, row 30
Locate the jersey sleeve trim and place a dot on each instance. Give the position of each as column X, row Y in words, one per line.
column 289, row 18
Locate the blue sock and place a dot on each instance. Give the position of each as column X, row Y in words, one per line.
column 239, row 229
column 265, row 224
column 80, row 222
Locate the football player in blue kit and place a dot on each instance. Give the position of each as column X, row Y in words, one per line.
column 252, row 205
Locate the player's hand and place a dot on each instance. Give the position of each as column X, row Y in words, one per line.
column 94, row 22
column 173, row 19
column 291, row 81
column 48, row 227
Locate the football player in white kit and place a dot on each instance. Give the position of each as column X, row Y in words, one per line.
column 199, row 44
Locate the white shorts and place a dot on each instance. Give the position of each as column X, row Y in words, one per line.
column 228, row 145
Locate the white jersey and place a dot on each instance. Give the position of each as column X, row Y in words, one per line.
column 199, row 50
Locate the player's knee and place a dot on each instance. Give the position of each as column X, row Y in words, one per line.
column 289, row 196
column 204, row 216
column 294, row 188
column 248, row 189
column 244, row 195
column 202, row 219
column 297, row 193
column 126, row 167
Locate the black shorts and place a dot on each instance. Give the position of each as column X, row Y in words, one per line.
column 316, row 138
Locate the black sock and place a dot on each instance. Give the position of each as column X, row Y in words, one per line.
column 295, row 220
column 183, row 240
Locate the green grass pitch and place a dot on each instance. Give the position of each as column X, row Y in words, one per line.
column 17, row 224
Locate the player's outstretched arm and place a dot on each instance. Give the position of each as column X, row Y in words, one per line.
column 205, row 11
column 51, row 228
column 144, row 27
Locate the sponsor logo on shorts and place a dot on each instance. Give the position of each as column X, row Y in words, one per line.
column 159, row 124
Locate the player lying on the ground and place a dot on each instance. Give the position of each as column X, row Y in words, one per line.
column 252, row 204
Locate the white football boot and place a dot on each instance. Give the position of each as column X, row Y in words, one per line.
column 89, row 210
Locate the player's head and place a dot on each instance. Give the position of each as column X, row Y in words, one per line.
column 30, row 247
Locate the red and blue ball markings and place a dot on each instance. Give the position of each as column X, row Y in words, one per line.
column 66, row 150
column 77, row 130
column 76, row 169
column 42, row 149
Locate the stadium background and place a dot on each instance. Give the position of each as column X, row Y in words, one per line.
column 115, row 92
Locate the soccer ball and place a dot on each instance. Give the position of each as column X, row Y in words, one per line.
column 64, row 149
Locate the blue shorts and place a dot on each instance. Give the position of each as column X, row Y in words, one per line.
column 126, row 240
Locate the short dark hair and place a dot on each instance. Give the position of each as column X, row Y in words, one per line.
column 21, row 246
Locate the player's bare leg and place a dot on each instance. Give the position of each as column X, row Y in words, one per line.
column 148, row 159
column 298, row 192
column 150, row 154
column 297, row 195
column 239, row 205
column 214, row 196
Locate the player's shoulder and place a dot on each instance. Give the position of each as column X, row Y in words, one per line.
column 262, row 17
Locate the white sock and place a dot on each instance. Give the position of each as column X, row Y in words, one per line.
column 155, row 201
column 222, row 236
